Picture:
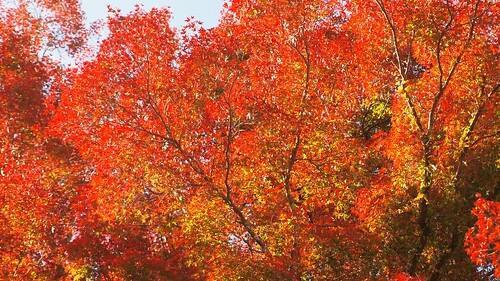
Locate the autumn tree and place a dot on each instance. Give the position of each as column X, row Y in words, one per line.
column 37, row 175
column 439, row 60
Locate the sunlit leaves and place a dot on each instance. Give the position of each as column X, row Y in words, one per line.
column 297, row 140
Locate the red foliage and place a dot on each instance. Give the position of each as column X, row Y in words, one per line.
column 482, row 241
column 297, row 140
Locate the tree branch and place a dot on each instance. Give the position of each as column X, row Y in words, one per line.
column 395, row 42
column 443, row 84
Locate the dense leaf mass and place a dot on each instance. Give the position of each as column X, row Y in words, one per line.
column 297, row 140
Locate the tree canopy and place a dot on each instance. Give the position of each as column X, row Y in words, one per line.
column 297, row 140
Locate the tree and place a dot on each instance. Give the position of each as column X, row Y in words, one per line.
column 436, row 124
column 37, row 173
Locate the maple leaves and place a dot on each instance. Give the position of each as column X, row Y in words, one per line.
column 482, row 242
column 298, row 140
column 424, row 70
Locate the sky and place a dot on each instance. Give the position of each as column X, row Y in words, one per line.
column 207, row 11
